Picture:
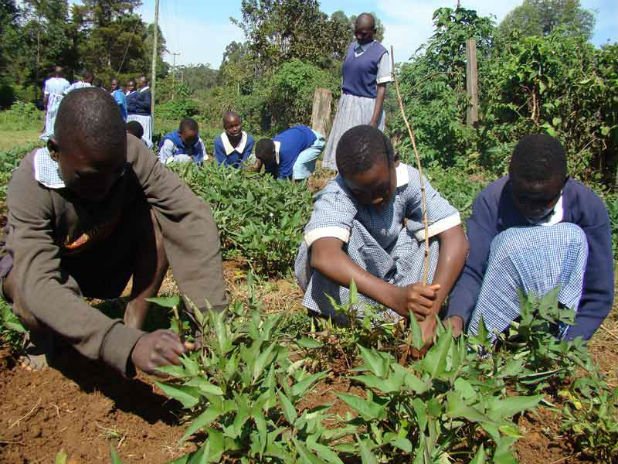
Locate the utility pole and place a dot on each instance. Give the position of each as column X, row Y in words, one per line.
column 174, row 55
column 155, row 55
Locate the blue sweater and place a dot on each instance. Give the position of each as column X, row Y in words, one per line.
column 293, row 141
column 493, row 211
column 360, row 72
column 236, row 158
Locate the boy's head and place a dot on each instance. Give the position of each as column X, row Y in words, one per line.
column 142, row 82
column 88, row 77
column 89, row 143
column 114, row 84
column 364, row 28
column 365, row 161
column 131, row 85
column 135, row 128
column 265, row 150
column 537, row 172
column 58, row 71
column 232, row 124
column 189, row 131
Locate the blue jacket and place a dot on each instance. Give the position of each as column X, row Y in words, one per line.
column 233, row 158
column 493, row 211
column 291, row 143
column 121, row 99
column 171, row 145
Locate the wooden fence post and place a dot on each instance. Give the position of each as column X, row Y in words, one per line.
column 472, row 82
column 320, row 115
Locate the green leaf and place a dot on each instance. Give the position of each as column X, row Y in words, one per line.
column 203, row 420
column 61, row 457
column 216, row 445
column 434, row 362
column 165, row 301
column 366, row 408
column 375, row 360
column 301, row 387
column 173, row 370
column 205, row 386
column 417, row 334
column 456, row 407
column 324, row 452
column 499, row 408
column 113, row 455
column 480, row 456
column 395, row 440
column 185, row 395
column 261, row 361
column 309, row 343
column 367, row 456
column 305, row 455
column 289, row 411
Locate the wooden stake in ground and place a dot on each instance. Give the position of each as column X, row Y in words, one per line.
column 419, row 167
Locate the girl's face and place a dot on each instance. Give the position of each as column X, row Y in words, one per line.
column 375, row 186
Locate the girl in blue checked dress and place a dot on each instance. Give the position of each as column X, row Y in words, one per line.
column 366, row 227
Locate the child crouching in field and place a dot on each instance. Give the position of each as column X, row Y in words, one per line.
column 89, row 212
column 531, row 232
column 366, row 227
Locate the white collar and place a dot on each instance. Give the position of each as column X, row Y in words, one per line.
column 555, row 217
column 227, row 146
column 277, row 148
column 403, row 178
column 145, row 88
column 46, row 170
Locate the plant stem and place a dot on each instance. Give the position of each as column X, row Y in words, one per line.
column 419, row 167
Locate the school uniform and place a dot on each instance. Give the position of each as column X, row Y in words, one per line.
column 77, row 85
column 138, row 107
column 570, row 249
column 388, row 242
column 54, row 91
column 121, row 100
column 365, row 66
column 61, row 248
column 296, row 152
column 173, row 149
column 228, row 155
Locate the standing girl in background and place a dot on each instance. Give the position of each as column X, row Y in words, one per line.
column 366, row 71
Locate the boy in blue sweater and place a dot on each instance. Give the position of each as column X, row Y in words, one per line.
column 532, row 231
column 291, row 154
column 234, row 146
column 184, row 145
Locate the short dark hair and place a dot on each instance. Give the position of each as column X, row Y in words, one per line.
column 360, row 148
column 264, row 149
column 135, row 128
column 188, row 123
column 231, row 114
column 538, row 157
column 90, row 114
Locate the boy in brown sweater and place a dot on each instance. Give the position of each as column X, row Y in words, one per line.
column 89, row 212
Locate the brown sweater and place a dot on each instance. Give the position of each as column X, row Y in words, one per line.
column 45, row 224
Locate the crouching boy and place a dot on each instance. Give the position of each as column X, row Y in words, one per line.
column 89, row 212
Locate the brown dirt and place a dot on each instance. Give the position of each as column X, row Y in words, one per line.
column 83, row 408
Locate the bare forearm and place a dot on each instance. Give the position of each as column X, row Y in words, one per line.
column 453, row 252
column 329, row 259
column 379, row 104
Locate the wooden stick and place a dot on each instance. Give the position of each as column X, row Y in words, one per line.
column 404, row 357
column 419, row 167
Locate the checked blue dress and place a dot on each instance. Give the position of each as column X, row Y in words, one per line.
column 387, row 242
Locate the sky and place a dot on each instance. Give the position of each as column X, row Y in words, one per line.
column 199, row 30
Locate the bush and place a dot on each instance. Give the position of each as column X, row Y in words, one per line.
column 258, row 217
column 21, row 116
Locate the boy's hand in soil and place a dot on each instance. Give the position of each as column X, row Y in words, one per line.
column 159, row 348
column 417, row 298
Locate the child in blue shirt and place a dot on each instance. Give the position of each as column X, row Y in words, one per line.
column 367, row 227
column 291, row 154
column 532, row 231
column 234, row 146
column 184, row 145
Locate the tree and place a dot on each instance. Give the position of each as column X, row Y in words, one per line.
column 281, row 30
column 541, row 17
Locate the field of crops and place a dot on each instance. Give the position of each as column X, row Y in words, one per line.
column 271, row 384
